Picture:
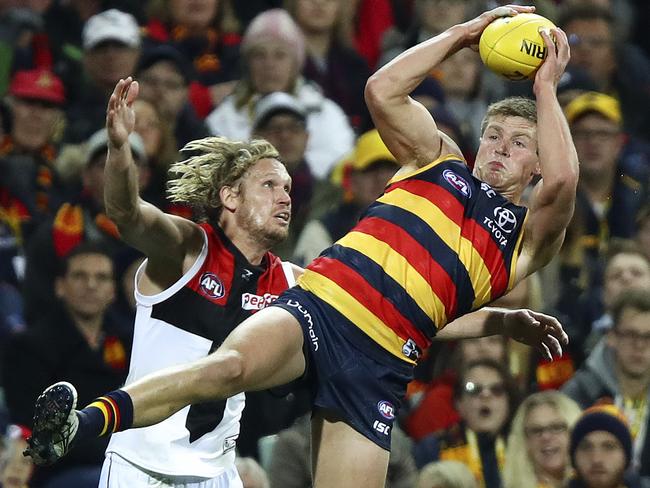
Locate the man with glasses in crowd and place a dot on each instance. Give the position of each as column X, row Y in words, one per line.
column 619, row 369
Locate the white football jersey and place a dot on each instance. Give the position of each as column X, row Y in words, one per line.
column 184, row 323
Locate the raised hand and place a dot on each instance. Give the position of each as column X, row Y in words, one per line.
column 557, row 57
column 541, row 331
column 120, row 116
column 475, row 27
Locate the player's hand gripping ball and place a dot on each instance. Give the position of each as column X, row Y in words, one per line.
column 513, row 46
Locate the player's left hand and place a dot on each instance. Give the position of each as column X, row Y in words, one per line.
column 120, row 115
column 541, row 331
column 558, row 54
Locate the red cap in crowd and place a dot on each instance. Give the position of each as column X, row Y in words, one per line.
column 38, row 84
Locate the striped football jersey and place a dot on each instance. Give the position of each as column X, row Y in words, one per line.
column 437, row 244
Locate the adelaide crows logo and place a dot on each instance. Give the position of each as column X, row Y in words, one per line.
column 212, row 286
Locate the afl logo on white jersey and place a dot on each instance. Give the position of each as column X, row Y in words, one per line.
column 212, row 286
column 458, row 182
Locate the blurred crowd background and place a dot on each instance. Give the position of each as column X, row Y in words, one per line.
column 483, row 412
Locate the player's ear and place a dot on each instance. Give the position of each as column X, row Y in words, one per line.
column 229, row 196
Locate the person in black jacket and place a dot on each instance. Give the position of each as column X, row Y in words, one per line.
column 76, row 342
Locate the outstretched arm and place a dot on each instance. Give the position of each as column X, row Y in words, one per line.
column 554, row 197
column 164, row 238
column 405, row 125
column 541, row 331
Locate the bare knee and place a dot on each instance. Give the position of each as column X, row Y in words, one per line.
column 222, row 375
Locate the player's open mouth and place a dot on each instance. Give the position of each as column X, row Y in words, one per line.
column 283, row 216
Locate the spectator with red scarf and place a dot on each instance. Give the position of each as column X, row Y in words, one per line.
column 199, row 34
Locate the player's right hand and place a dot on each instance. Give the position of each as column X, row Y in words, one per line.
column 474, row 28
column 120, row 116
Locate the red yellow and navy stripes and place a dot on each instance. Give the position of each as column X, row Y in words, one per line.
column 111, row 414
column 423, row 254
column 107, row 414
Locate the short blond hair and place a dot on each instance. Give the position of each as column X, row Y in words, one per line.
column 511, row 107
column 215, row 162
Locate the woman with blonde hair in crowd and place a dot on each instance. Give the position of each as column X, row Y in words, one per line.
column 537, row 454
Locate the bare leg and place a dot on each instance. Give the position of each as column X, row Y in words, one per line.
column 263, row 351
column 342, row 458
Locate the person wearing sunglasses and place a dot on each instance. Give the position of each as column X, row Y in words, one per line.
column 485, row 395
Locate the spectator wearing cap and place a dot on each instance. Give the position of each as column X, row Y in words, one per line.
column 618, row 370
column 282, row 120
column 331, row 60
column 617, row 67
column 366, row 174
column 207, row 38
column 613, row 185
column 80, row 219
column 273, row 55
column 165, row 74
column 601, row 450
column 30, row 188
column 111, row 48
column 75, row 340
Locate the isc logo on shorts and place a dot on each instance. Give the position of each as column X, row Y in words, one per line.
column 381, row 427
column 212, row 286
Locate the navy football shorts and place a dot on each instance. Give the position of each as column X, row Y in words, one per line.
column 350, row 374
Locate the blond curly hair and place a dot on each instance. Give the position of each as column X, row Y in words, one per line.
column 215, row 162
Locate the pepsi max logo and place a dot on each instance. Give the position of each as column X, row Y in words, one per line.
column 212, row 286
column 458, row 182
column 386, row 410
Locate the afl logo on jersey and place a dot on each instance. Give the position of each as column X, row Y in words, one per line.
column 458, row 182
column 212, row 286
column 386, row 409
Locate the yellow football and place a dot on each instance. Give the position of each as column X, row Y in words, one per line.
column 513, row 46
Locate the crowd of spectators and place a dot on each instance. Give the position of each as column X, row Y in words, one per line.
column 485, row 412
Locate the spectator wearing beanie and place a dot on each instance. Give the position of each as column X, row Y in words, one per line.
column 273, row 56
column 601, row 449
